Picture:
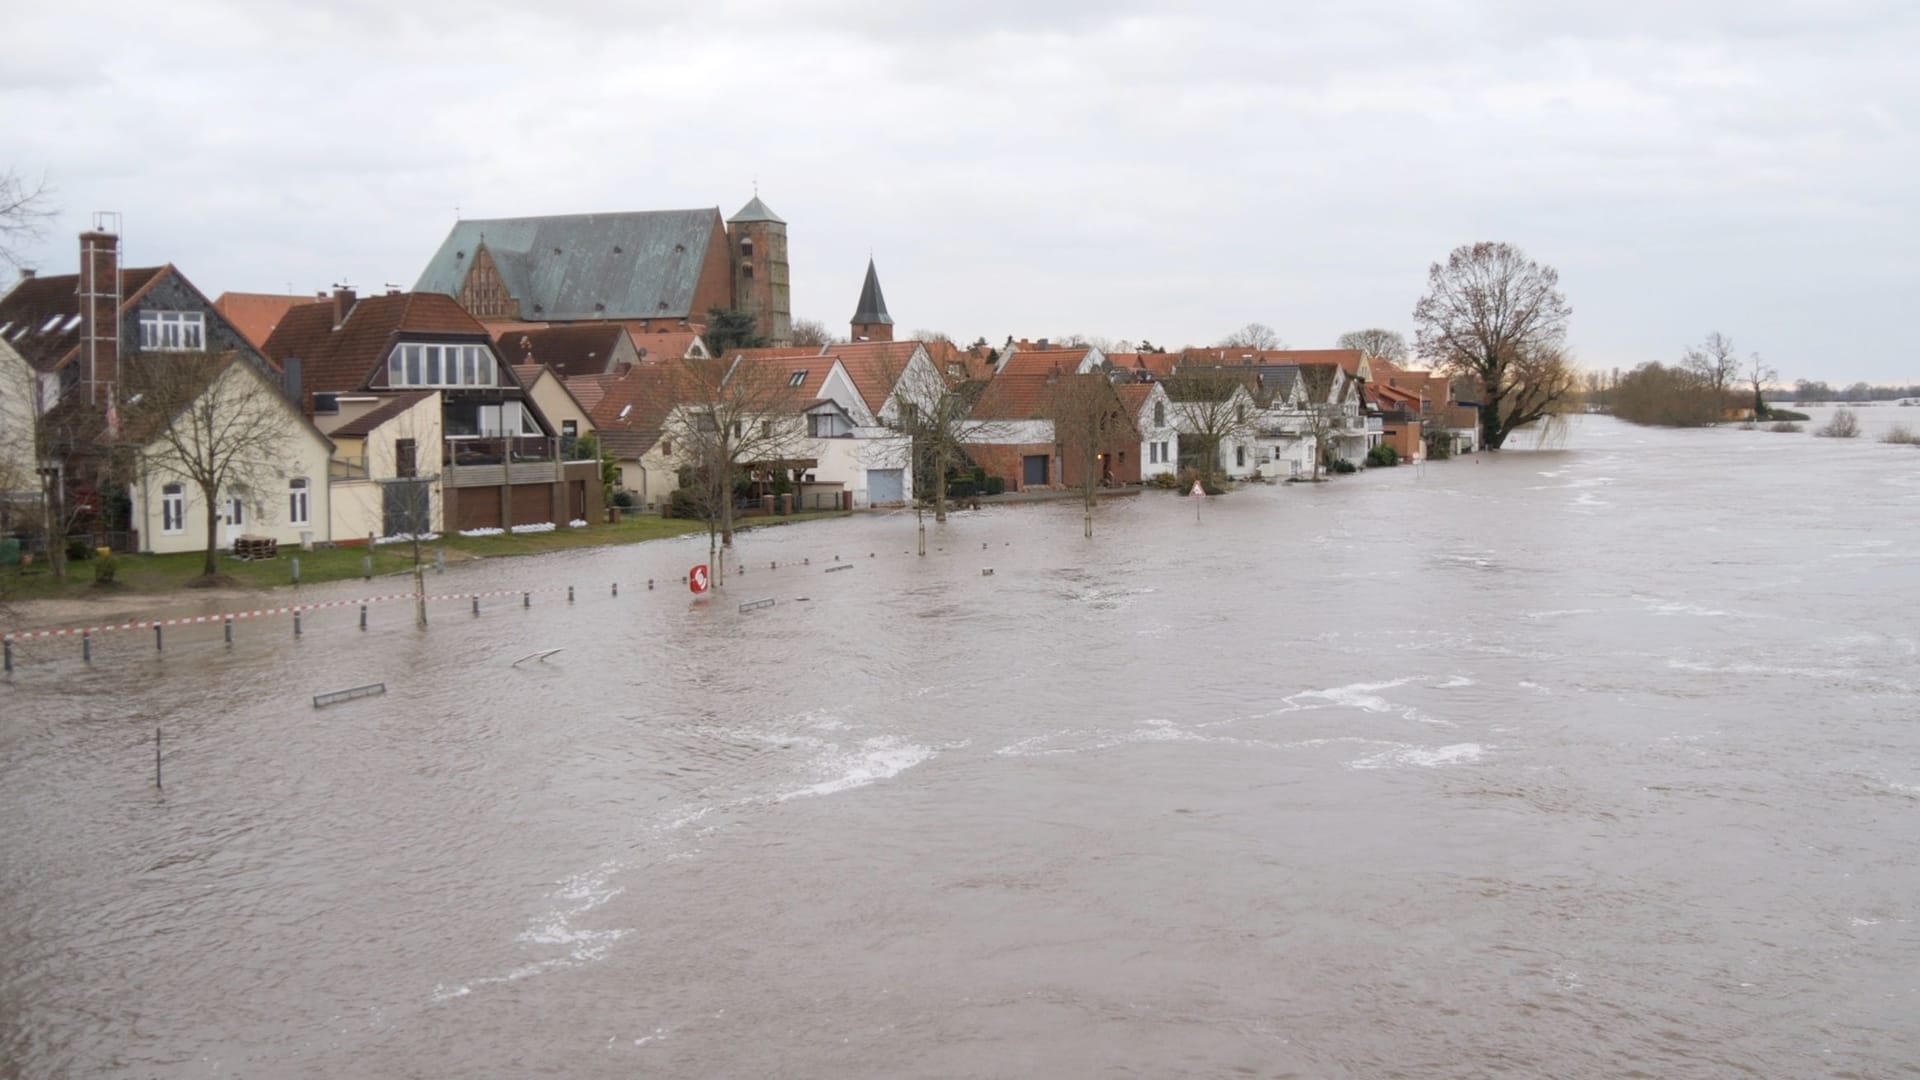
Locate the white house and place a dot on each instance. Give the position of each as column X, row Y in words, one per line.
column 285, row 494
column 1203, row 408
column 1154, row 415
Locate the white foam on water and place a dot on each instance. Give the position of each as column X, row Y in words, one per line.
column 874, row 760
column 1423, row 757
column 1557, row 612
column 1858, row 921
column 1362, row 696
column 1454, row 682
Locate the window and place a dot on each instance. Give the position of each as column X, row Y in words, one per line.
column 173, row 509
column 1159, row 414
column 297, row 501
column 746, row 270
column 1240, row 455
column 820, row 425
column 736, row 431
column 797, row 378
column 746, row 248
column 440, row 365
column 173, row 331
column 666, row 447
column 237, row 508
column 708, row 422
column 766, row 429
column 404, row 455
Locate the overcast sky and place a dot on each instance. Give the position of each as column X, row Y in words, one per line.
column 1037, row 167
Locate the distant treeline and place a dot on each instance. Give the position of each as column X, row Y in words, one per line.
column 1669, row 396
column 1813, row 390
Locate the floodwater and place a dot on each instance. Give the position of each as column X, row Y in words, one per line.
column 1599, row 761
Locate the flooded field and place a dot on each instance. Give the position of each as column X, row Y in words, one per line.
column 1593, row 761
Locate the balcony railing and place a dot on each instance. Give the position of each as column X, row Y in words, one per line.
column 347, row 468
column 502, row 449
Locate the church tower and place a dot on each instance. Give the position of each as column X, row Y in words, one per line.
column 870, row 320
column 757, row 246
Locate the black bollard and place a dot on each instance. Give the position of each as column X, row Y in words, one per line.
column 156, row 757
column 476, row 605
column 616, row 589
column 649, row 584
column 526, row 599
column 86, row 647
column 7, row 646
column 229, row 629
column 363, row 616
column 156, row 637
column 569, row 594
column 296, row 622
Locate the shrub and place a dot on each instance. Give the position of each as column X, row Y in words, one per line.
column 996, row 485
column 1786, row 427
column 1844, row 425
column 1165, row 481
column 623, row 499
column 105, row 569
column 78, row 550
column 1342, row 465
column 1382, row 455
column 1776, row 413
column 1902, row 434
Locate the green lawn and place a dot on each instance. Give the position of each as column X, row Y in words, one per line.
column 155, row 574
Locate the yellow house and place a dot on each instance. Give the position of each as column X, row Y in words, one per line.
column 388, row 451
column 274, row 461
column 549, row 392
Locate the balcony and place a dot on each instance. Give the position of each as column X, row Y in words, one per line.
column 347, row 468
column 490, row 461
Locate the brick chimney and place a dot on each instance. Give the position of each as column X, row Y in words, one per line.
column 343, row 299
column 99, row 294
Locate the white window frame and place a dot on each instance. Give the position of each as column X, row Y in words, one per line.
column 431, row 364
column 173, row 509
column 173, row 331
column 298, row 493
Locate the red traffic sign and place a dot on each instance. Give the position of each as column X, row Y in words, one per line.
column 1197, row 492
column 698, row 581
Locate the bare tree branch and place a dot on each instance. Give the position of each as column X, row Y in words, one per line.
column 1488, row 309
column 1376, row 344
column 25, row 208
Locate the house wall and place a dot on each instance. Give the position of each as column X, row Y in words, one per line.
column 18, row 385
column 357, row 510
column 303, row 454
column 1405, row 439
column 171, row 292
column 1152, row 433
column 1004, row 460
column 848, row 461
column 557, row 405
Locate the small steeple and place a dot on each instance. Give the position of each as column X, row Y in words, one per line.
column 756, row 210
column 870, row 320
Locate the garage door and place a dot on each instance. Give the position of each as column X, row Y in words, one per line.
column 886, row 486
column 1033, row 471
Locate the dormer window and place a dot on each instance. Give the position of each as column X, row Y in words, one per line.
column 441, row 365
column 173, row 331
column 797, row 378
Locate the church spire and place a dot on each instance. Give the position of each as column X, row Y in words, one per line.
column 870, row 320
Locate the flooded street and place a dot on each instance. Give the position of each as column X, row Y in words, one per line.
column 1593, row 761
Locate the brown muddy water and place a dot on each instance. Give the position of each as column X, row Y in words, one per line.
column 1600, row 761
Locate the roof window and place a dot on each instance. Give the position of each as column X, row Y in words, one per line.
column 624, row 410
column 51, row 323
column 797, row 377
column 72, row 321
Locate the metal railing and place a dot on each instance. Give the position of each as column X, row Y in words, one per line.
column 497, row 450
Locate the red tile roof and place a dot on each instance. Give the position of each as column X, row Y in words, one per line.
column 875, row 366
column 1016, row 397
column 1161, row 364
column 345, row 359
column 395, row 404
column 256, row 314
column 663, row 344
column 629, row 409
column 1043, row 361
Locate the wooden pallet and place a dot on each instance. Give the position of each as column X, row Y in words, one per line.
column 256, row 547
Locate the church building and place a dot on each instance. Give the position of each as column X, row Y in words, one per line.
column 652, row 270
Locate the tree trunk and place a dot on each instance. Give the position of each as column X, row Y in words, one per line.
column 1492, row 431
column 213, row 534
column 419, row 593
column 940, row 492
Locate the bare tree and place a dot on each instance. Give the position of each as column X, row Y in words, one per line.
column 1376, row 344
column 1714, row 362
column 1254, row 336
column 732, row 418
column 25, row 208
column 1758, row 376
column 1494, row 314
column 1089, row 419
column 811, row 332
column 1210, row 411
column 212, row 420
column 930, row 336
